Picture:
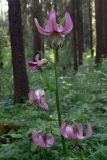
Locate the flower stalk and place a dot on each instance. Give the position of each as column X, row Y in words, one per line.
column 57, row 97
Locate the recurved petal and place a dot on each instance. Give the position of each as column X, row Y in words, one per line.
column 63, row 129
column 68, row 26
column 89, row 130
column 39, row 93
column 59, row 28
column 69, row 132
column 43, row 104
column 39, row 63
column 88, row 133
column 80, row 129
column 49, row 27
column 38, row 140
column 35, row 136
column 44, row 61
column 79, row 137
column 66, row 130
column 52, row 20
column 33, row 66
column 31, row 96
column 50, row 142
column 37, row 57
column 43, row 31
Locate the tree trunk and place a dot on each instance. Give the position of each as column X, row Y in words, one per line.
column 1, row 36
column 21, row 88
column 37, row 39
column 75, row 53
column 1, row 10
column 24, row 13
column 1, row 62
column 105, row 28
column 99, row 30
column 55, row 5
column 79, row 25
column 91, row 28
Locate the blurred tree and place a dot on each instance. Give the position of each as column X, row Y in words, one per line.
column 91, row 28
column 1, row 62
column 75, row 52
column 86, row 23
column 99, row 30
column 105, row 28
column 1, row 10
column 25, row 13
column 37, row 39
column 80, row 39
column 55, row 5
column 78, row 42
column 21, row 88
column 1, row 36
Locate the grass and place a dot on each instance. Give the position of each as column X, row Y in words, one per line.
column 83, row 97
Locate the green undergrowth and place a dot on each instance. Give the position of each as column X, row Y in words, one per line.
column 83, row 98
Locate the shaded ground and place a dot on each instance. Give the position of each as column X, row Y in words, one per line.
column 83, row 97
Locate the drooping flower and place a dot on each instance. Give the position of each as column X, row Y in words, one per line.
column 37, row 64
column 52, row 28
column 75, row 132
column 38, row 97
column 43, row 141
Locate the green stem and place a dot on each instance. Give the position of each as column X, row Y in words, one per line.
column 57, row 98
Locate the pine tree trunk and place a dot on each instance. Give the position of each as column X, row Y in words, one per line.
column 24, row 13
column 37, row 39
column 1, row 10
column 91, row 28
column 1, row 62
column 55, row 5
column 105, row 28
column 80, row 41
column 1, row 36
column 21, row 88
column 99, row 30
column 75, row 54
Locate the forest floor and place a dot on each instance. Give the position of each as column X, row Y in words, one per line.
column 83, row 98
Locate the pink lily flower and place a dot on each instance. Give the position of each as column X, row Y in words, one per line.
column 37, row 64
column 75, row 132
column 43, row 141
column 38, row 97
column 52, row 28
